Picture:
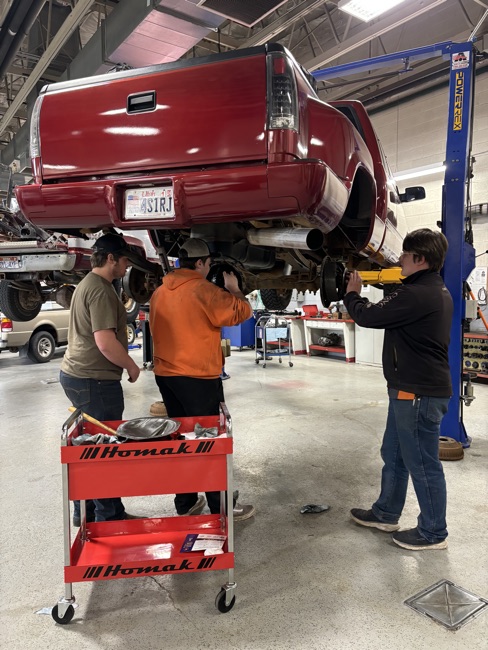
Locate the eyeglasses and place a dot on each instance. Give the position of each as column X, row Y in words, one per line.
column 408, row 253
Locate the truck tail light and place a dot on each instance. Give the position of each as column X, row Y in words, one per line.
column 6, row 325
column 35, row 144
column 282, row 93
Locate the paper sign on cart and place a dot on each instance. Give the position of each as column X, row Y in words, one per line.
column 203, row 542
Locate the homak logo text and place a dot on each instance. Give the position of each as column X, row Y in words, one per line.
column 119, row 571
column 120, row 451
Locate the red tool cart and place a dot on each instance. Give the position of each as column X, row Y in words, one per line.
column 146, row 547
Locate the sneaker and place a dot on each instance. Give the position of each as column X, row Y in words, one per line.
column 367, row 518
column 243, row 512
column 197, row 508
column 414, row 541
column 77, row 520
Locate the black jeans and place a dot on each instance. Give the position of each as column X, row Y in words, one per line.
column 103, row 400
column 191, row 397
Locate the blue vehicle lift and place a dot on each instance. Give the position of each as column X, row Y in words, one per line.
column 460, row 260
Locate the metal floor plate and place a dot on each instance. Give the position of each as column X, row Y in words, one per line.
column 448, row 604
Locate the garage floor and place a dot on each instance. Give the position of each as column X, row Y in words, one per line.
column 307, row 434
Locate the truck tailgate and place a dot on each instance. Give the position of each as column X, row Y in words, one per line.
column 203, row 113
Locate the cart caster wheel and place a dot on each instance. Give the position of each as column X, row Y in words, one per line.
column 264, row 365
column 220, row 602
column 281, row 360
column 290, row 364
column 257, row 361
column 68, row 615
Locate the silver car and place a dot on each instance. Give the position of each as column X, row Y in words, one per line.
column 36, row 338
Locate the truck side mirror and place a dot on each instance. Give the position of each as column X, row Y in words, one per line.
column 412, row 194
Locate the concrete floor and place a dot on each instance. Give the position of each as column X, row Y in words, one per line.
column 307, row 434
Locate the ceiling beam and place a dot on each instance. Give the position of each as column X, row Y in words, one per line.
column 25, row 72
column 67, row 28
column 402, row 15
column 278, row 26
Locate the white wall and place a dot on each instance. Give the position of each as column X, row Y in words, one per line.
column 414, row 134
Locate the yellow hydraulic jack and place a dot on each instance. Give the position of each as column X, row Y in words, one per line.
column 384, row 276
column 334, row 287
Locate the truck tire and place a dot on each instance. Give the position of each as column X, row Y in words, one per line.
column 131, row 333
column 131, row 306
column 41, row 347
column 276, row 299
column 19, row 305
column 216, row 275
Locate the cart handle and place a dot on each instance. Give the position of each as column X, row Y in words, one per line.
column 227, row 417
column 77, row 416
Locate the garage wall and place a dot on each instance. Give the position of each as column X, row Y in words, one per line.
column 414, row 134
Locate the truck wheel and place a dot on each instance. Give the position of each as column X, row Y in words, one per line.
column 138, row 287
column 276, row 299
column 131, row 333
column 331, row 282
column 131, row 306
column 17, row 304
column 216, row 275
column 41, row 347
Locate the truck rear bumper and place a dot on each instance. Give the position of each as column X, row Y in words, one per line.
column 32, row 262
column 306, row 188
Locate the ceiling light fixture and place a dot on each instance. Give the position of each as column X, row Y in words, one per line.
column 367, row 9
column 437, row 168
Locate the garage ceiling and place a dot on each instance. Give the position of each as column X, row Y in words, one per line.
column 46, row 41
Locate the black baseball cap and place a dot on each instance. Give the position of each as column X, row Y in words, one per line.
column 117, row 245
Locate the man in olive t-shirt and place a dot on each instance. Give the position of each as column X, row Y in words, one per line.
column 97, row 355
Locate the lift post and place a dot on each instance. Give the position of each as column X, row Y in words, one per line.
column 460, row 257
column 460, row 260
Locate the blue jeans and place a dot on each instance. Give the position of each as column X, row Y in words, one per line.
column 411, row 447
column 103, row 400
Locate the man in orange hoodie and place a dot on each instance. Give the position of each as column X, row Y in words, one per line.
column 187, row 313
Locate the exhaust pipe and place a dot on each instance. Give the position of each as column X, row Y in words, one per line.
column 301, row 238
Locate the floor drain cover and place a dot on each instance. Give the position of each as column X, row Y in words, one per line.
column 448, row 604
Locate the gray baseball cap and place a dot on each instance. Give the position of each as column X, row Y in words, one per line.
column 194, row 248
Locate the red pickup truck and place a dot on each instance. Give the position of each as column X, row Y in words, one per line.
column 234, row 148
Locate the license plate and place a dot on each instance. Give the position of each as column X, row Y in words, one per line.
column 10, row 263
column 150, row 203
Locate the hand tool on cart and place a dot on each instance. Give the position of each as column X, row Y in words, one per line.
column 138, row 428
column 89, row 418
